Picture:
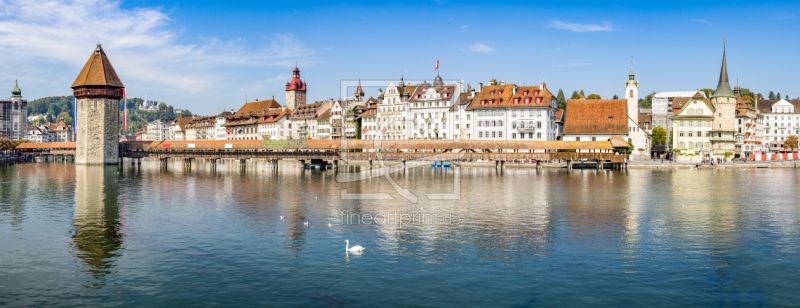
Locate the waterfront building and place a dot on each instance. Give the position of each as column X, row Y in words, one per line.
column 337, row 120
column 428, row 109
column 304, row 119
column 50, row 132
column 461, row 118
column 98, row 91
column 662, row 107
column 220, row 132
column 243, row 125
column 781, row 119
column 295, row 91
column 393, row 111
column 177, row 128
column 276, row 125
column 158, row 130
column 723, row 141
column 749, row 127
column 14, row 115
column 507, row 112
column 324, row 125
column 200, row 128
column 38, row 134
column 367, row 120
column 692, row 128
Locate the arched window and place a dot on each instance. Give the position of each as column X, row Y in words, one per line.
column 631, row 94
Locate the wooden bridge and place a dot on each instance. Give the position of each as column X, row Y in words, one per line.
column 333, row 151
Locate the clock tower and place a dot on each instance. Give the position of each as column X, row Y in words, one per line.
column 295, row 90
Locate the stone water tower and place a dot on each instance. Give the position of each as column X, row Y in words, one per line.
column 98, row 91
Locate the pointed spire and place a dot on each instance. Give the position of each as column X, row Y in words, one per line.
column 359, row 92
column 723, row 87
column 631, row 74
column 98, row 72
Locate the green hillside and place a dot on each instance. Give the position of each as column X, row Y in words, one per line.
column 60, row 108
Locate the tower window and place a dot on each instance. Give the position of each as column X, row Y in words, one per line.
column 631, row 94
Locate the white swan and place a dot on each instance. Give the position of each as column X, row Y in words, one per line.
column 356, row 248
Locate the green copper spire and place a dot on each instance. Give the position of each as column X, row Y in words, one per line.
column 724, row 87
column 631, row 74
column 16, row 91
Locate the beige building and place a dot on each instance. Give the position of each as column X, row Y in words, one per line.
column 692, row 128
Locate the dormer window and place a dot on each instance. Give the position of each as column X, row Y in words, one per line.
column 525, row 92
column 516, row 100
column 538, row 100
column 536, row 93
column 491, row 93
column 527, row 100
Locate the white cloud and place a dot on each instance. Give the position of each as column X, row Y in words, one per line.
column 700, row 20
column 141, row 44
column 605, row 26
column 464, row 28
column 576, row 64
column 481, row 48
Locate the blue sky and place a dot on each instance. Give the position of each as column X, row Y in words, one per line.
column 203, row 55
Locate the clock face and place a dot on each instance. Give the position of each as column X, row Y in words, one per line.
column 301, row 97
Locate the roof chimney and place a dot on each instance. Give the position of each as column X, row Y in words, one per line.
column 502, row 82
column 480, row 86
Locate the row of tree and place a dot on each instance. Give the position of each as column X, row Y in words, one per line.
column 8, row 144
column 60, row 108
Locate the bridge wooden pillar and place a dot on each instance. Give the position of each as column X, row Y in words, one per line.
column 569, row 164
column 539, row 164
column 370, row 164
column 502, row 165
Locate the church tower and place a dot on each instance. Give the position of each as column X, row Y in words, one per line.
column 98, row 91
column 18, row 114
column 632, row 96
column 724, row 101
column 295, row 90
column 359, row 94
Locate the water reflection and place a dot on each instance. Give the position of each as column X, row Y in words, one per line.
column 97, row 233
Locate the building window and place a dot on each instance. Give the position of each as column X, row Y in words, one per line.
column 513, row 135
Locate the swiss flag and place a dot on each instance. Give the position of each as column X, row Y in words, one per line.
column 437, row 65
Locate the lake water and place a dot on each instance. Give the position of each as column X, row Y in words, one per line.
column 87, row 236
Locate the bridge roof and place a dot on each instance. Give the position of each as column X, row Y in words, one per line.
column 382, row 144
column 47, row 145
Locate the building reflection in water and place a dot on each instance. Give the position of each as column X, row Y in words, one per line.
column 97, row 233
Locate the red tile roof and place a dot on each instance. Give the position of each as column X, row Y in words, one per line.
column 596, row 116
column 98, row 72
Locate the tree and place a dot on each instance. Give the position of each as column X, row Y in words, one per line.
column 659, row 136
column 616, row 97
column 575, row 95
column 594, row 96
column 787, row 97
column 778, row 96
column 493, row 82
column 790, row 143
column 582, row 93
column 771, row 95
column 562, row 102
column 759, row 96
column 647, row 101
column 64, row 117
column 707, row 91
